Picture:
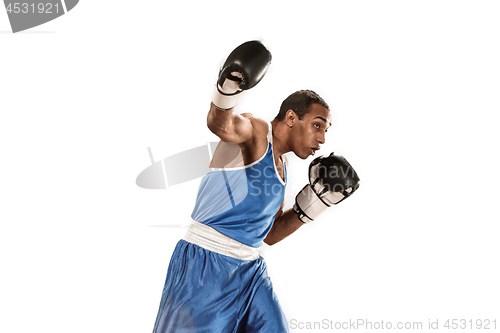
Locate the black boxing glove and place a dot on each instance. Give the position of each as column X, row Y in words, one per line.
column 243, row 69
column 332, row 179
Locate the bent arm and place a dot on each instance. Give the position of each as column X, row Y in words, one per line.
column 229, row 126
column 285, row 224
column 242, row 70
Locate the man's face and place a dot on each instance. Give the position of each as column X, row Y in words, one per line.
column 309, row 132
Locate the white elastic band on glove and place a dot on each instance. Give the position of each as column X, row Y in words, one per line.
column 312, row 205
column 226, row 102
column 229, row 95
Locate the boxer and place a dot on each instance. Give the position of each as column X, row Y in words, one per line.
column 216, row 280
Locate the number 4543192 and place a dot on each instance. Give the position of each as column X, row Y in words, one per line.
column 25, row 8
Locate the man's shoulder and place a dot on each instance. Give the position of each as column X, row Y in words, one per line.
column 259, row 125
column 260, row 129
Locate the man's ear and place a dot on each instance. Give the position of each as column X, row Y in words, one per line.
column 291, row 118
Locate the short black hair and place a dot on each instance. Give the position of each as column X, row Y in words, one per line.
column 299, row 102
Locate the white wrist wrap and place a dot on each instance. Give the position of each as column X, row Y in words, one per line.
column 310, row 204
column 226, row 102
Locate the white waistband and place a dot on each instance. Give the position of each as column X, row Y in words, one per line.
column 212, row 240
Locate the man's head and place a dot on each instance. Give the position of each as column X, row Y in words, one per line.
column 307, row 116
column 299, row 102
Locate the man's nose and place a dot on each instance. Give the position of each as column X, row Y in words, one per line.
column 321, row 138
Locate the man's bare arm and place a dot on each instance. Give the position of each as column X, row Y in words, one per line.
column 229, row 126
column 242, row 70
column 284, row 225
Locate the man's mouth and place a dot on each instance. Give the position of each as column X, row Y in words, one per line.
column 313, row 150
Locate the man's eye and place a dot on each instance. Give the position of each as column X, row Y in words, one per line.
column 316, row 125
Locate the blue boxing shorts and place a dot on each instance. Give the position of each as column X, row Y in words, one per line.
column 216, row 284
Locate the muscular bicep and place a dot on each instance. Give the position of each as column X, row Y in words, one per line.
column 230, row 127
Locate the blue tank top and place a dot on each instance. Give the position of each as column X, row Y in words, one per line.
column 242, row 202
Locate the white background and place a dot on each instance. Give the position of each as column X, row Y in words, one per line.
column 414, row 93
